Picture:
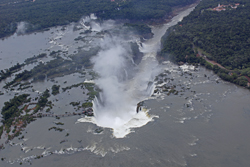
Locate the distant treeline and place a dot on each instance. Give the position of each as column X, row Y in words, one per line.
column 41, row 14
column 223, row 36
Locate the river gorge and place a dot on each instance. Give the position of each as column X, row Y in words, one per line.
column 188, row 115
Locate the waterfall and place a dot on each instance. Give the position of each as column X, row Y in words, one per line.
column 125, row 84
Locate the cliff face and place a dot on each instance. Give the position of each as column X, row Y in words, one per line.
column 137, row 55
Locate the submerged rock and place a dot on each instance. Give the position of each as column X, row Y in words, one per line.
column 99, row 130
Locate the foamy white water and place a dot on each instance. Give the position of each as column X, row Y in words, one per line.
column 123, row 84
column 122, row 126
column 116, row 105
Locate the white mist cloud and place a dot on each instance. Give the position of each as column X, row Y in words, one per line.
column 123, row 83
column 111, row 64
column 21, row 28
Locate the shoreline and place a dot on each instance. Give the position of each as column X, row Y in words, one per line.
column 175, row 12
column 167, row 18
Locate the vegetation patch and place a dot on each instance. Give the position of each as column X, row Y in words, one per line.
column 218, row 40
column 49, row 13
column 14, row 117
column 56, row 129
column 35, row 58
column 141, row 29
column 55, row 89
column 8, row 72
column 87, row 104
column 73, row 86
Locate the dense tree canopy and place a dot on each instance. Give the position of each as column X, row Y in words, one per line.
column 10, row 108
column 47, row 13
column 223, row 36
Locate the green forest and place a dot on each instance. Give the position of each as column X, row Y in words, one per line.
column 208, row 35
column 41, row 14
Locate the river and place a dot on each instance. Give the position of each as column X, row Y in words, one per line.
column 199, row 120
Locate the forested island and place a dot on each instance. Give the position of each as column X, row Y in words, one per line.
column 42, row 14
column 215, row 35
